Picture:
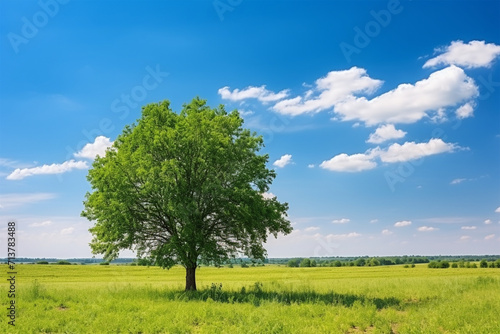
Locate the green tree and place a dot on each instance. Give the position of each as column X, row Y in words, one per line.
column 305, row 263
column 184, row 188
column 293, row 263
column 483, row 264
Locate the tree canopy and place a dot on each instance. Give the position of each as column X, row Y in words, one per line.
column 184, row 188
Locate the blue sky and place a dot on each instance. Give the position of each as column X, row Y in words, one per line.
column 381, row 118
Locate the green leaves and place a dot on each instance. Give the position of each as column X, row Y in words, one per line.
column 184, row 188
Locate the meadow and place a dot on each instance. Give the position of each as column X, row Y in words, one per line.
column 270, row 299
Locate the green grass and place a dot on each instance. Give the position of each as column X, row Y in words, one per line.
column 271, row 299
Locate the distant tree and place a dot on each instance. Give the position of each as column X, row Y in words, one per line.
column 454, row 265
column 184, row 188
column 483, row 264
column 360, row 262
column 305, row 263
column 42, row 262
column 293, row 263
column 313, row 263
column 337, row 263
column 63, row 262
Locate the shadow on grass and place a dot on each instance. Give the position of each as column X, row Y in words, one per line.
column 256, row 295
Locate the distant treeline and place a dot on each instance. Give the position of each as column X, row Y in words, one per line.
column 461, row 261
column 438, row 261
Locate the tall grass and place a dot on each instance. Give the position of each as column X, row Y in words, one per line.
column 271, row 299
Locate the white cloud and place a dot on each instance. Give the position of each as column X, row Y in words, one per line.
column 44, row 223
column 411, row 150
column 471, row 55
column 384, row 133
column 342, row 236
column 465, row 111
column 283, row 161
column 386, row 232
column 469, row 227
column 67, row 231
column 311, row 229
column 409, row 103
column 427, row 229
column 373, row 221
column 394, row 153
column 335, row 87
column 464, row 237
column 92, row 150
column 402, row 223
column 259, row 93
column 267, row 195
column 457, row 181
column 489, row 236
column 488, row 221
column 311, row 166
column 349, row 163
column 497, row 210
column 16, row 199
column 66, row 166
column 341, row 221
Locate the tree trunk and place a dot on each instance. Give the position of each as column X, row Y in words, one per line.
column 191, row 279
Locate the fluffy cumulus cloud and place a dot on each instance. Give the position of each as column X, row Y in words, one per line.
column 311, row 229
column 283, row 161
column 384, row 133
column 66, row 166
column 469, row 227
column 402, row 223
column 97, row 148
column 335, row 87
column 341, row 221
column 386, row 232
column 488, row 221
column 497, row 210
column 465, row 111
column 345, row 92
column 412, row 151
column 471, row 55
column 489, row 237
column 394, row 153
column 409, row 103
column 259, row 93
column 349, row 163
column 427, row 229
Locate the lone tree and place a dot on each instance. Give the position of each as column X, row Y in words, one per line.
column 184, row 188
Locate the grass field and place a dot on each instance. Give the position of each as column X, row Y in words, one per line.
column 270, row 299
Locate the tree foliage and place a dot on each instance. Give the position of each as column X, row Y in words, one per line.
column 184, row 188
